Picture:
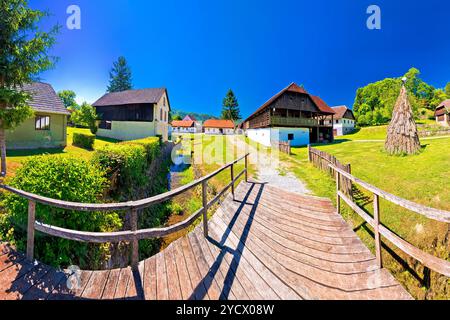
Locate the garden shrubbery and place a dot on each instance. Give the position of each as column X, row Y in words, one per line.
column 116, row 173
column 61, row 178
column 83, row 140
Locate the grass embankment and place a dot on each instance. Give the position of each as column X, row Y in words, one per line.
column 16, row 157
column 421, row 178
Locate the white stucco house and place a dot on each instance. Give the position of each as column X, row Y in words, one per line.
column 344, row 121
column 184, row 126
column 213, row 126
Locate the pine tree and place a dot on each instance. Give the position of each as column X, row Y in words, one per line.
column 402, row 135
column 230, row 107
column 120, row 76
column 23, row 55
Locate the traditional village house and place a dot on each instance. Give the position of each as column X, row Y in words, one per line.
column 343, row 121
column 442, row 113
column 134, row 114
column 48, row 127
column 291, row 115
column 213, row 126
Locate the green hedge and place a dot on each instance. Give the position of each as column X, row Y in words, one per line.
column 63, row 178
column 83, row 140
column 126, row 164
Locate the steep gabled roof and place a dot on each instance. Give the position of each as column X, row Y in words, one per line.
column 214, row 123
column 44, row 98
column 340, row 112
column 443, row 108
column 293, row 87
column 189, row 117
column 182, row 123
column 141, row 96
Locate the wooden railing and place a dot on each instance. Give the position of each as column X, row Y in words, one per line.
column 133, row 235
column 322, row 160
column 434, row 263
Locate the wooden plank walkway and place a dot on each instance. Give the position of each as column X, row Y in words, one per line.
column 266, row 244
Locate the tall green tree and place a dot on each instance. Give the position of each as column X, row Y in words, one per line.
column 24, row 50
column 86, row 116
column 447, row 90
column 68, row 99
column 120, row 76
column 230, row 107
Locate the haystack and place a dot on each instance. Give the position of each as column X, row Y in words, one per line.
column 402, row 136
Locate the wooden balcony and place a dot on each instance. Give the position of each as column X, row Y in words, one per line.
column 293, row 122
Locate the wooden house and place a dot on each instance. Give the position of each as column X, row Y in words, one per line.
column 134, row 114
column 442, row 113
column 291, row 115
column 343, row 121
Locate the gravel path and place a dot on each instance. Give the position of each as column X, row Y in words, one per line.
column 269, row 168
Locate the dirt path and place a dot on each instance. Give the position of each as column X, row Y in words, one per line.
column 269, row 167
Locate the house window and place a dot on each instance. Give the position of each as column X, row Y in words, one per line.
column 337, row 121
column 164, row 101
column 42, row 123
column 160, row 114
column 290, row 136
column 106, row 125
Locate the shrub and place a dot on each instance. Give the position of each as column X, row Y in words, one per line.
column 63, row 178
column 151, row 145
column 124, row 164
column 83, row 140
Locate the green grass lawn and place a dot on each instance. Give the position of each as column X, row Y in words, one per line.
column 421, row 178
column 15, row 157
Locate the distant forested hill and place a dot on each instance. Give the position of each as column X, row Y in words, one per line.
column 199, row 116
column 374, row 103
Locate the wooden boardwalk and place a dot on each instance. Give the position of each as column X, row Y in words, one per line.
column 266, row 244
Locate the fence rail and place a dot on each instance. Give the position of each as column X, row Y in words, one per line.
column 434, row 263
column 322, row 160
column 283, row 146
column 133, row 235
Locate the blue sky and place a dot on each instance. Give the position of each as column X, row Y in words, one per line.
column 199, row 49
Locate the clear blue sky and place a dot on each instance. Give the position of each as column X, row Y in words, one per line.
column 199, row 49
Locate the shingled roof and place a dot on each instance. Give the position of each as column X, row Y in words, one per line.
column 44, row 98
column 443, row 108
column 340, row 112
column 151, row 95
column 293, row 87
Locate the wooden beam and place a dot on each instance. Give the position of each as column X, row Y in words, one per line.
column 376, row 210
column 30, row 229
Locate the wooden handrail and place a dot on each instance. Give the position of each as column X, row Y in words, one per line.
column 133, row 235
column 434, row 263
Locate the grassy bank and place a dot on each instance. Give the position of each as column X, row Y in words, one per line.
column 420, row 178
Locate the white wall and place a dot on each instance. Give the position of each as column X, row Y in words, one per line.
column 128, row 130
column 344, row 126
column 267, row 136
column 301, row 135
column 261, row 136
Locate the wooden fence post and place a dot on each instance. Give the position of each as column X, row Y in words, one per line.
column 135, row 241
column 30, row 229
column 349, row 170
column 376, row 209
column 246, row 168
column 205, row 207
column 232, row 179
column 338, row 198
column 309, row 153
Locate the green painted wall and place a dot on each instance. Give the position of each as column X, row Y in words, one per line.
column 26, row 137
column 128, row 130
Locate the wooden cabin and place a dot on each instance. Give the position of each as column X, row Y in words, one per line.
column 343, row 121
column 442, row 113
column 291, row 115
column 134, row 114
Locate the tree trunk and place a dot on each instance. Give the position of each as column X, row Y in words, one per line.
column 3, row 150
